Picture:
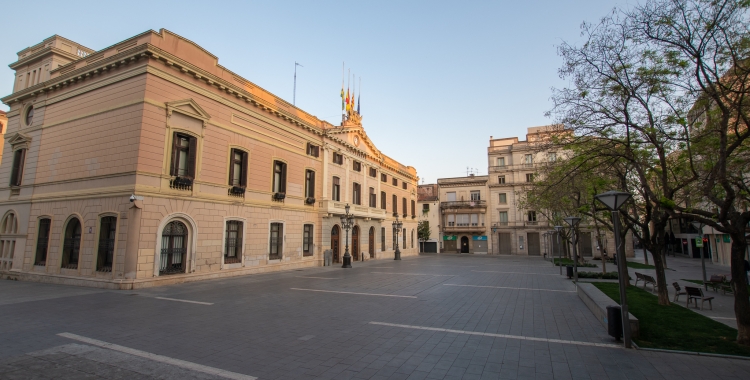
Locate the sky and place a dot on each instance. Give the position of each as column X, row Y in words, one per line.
column 438, row 78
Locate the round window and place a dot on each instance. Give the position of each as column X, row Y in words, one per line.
column 29, row 116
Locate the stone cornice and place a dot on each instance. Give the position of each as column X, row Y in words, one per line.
column 41, row 52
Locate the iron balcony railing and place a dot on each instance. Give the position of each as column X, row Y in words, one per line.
column 462, row 204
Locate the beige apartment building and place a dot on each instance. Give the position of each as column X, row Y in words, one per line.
column 428, row 207
column 463, row 209
column 148, row 163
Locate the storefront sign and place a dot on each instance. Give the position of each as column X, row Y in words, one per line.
column 699, row 242
column 449, row 237
column 479, row 238
column 727, row 239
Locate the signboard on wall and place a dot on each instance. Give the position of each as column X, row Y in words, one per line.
column 699, row 242
column 449, row 237
column 727, row 239
column 483, row 238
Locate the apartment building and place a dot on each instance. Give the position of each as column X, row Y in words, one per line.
column 463, row 209
column 428, row 207
column 148, row 163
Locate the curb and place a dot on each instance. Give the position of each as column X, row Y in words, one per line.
column 691, row 353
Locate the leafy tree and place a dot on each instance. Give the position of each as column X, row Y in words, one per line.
column 423, row 231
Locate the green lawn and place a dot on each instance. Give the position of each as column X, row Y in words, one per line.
column 565, row 262
column 640, row 266
column 673, row 327
column 700, row 282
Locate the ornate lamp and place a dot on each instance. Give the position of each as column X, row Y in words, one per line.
column 347, row 221
column 397, row 225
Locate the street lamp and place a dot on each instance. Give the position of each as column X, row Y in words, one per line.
column 614, row 200
column 559, row 247
column 573, row 223
column 347, row 221
column 492, row 245
column 699, row 226
column 397, row 225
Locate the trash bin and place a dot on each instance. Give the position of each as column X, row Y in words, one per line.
column 327, row 257
column 570, row 271
column 614, row 321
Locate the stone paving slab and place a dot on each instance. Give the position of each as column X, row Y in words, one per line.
column 259, row 326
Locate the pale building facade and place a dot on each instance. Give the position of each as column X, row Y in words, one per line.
column 463, row 209
column 428, row 208
column 148, row 163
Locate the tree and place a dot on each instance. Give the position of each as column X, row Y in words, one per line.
column 423, row 231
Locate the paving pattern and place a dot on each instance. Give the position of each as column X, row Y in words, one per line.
column 428, row 317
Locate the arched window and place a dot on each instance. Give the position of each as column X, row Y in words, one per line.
column 105, row 255
column 72, row 244
column 173, row 248
column 404, row 239
column 412, row 238
column 42, row 241
column 9, row 226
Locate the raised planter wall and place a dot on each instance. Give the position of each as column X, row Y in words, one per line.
column 597, row 302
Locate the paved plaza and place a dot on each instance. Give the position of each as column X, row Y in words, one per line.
column 427, row 317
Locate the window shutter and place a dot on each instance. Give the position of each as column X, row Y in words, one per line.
column 192, row 150
column 243, row 178
column 283, row 178
column 16, row 167
column 312, row 184
column 231, row 166
column 173, row 165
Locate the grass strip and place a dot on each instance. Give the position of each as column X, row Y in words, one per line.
column 640, row 266
column 673, row 327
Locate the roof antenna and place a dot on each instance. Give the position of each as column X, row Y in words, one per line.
column 294, row 95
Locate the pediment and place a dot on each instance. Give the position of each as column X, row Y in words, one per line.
column 18, row 138
column 187, row 107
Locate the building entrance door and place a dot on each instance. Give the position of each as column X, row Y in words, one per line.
column 335, row 243
column 355, row 243
column 534, row 248
column 464, row 244
column 371, row 248
column 585, row 244
column 504, row 240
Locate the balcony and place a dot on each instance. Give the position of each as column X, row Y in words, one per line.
column 507, row 168
column 465, row 228
column 464, row 204
column 338, row 208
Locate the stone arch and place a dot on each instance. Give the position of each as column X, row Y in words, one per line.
column 190, row 244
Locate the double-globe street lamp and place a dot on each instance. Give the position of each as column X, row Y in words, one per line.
column 614, row 200
column 397, row 225
column 573, row 223
column 347, row 222
column 559, row 230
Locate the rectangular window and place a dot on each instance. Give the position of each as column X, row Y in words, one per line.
column 528, row 159
column 503, row 218
column 336, row 195
column 338, row 159
column 413, row 208
column 531, row 216
column 501, row 179
column 425, row 207
column 383, row 177
column 520, row 242
column 451, row 196
column 383, row 200
column 106, row 249
column 42, row 242
column 403, row 185
column 238, row 168
column 184, row 149
column 501, row 161
column 309, row 184
column 529, row 177
column 451, row 220
column 403, row 206
column 357, row 194
column 356, row 166
column 307, row 240
column 394, row 182
column 474, row 220
column 382, row 239
column 395, row 205
column 16, row 175
column 462, row 220
column 373, row 198
column 503, row 198
column 552, row 157
column 373, row 172
column 313, row 150
column 279, row 177
column 233, row 243
column 474, row 195
column 277, row 241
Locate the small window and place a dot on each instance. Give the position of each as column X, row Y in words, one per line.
column 451, row 220
column 336, row 194
column 382, row 238
column 42, row 242
column 503, row 218
column 501, row 161
column 107, row 231
column 233, row 243
column 279, row 177
column 501, row 179
column 474, row 220
column 503, row 198
column 309, row 184
column 357, row 194
column 403, row 206
column 338, row 158
column 552, row 157
column 356, row 166
column 413, row 208
column 412, row 239
column 373, row 172
column 313, row 150
column 403, row 185
column 474, row 195
column 238, row 168
column 373, row 198
column 529, row 177
column 383, row 200
column 395, row 204
column 528, row 159
column 425, row 207
column 383, row 177
column 277, row 241
column 531, row 216
column 72, row 244
column 16, row 175
column 184, row 149
column 403, row 238
column 307, row 240
column 29, row 119
column 451, row 196
column 394, row 182
column 520, row 242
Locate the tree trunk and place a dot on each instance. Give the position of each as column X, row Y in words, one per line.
column 645, row 256
column 739, row 283
column 661, row 279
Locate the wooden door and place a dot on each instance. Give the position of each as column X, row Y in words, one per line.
column 371, row 248
column 504, row 239
column 336, row 243
column 534, row 246
column 355, row 243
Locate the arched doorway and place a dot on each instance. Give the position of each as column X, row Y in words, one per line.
column 371, row 248
column 355, row 243
column 464, row 244
column 71, row 244
column 7, row 243
column 335, row 243
column 173, row 257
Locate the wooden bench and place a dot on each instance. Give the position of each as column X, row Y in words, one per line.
column 715, row 282
column 677, row 292
column 649, row 280
column 695, row 294
column 639, row 277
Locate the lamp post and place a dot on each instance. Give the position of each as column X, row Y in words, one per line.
column 559, row 247
column 699, row 226
column 494, row 230
column 397, row 225
column 614, row 200
column 573, row 223
column 347, row 221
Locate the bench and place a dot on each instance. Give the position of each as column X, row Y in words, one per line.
column 677, row 292
column 719, row 281
column 646, row 280
column 639, row 277
column 695, row 294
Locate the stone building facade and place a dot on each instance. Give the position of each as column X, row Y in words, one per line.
column 148, row 163
column 463, row 209
column 428, row 208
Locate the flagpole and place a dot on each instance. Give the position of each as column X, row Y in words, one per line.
column 343, row 64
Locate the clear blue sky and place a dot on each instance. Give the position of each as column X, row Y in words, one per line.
column 438, row 77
